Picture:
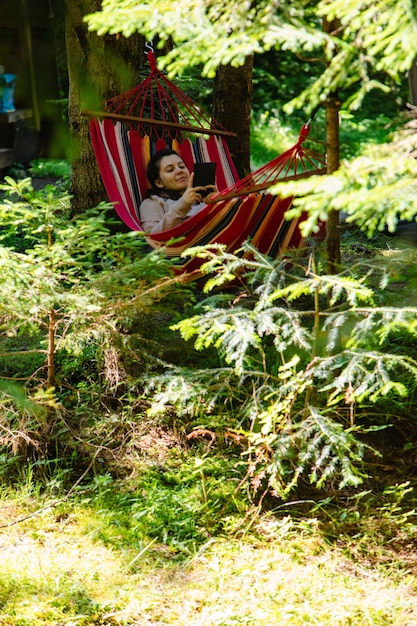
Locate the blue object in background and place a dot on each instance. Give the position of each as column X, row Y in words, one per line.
column 7, row 83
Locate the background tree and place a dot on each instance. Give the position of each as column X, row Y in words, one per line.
column 98, row 67
column 232, row 99
column 412, row 83
column 102, row 67
column 333, row 105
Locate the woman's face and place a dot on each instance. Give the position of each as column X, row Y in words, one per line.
column 173, row 173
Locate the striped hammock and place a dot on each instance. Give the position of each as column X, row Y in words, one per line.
column 243, row 209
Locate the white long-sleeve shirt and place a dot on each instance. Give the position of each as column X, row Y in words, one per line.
column 158, row 214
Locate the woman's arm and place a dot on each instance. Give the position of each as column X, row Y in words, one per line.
column 157, row 214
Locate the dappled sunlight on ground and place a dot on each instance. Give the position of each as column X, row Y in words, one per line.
column 54, row 571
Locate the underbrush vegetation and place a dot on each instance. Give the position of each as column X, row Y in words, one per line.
column 307, row 363
column 293, row 358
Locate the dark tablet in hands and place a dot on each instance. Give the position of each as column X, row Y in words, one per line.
column 204, row 174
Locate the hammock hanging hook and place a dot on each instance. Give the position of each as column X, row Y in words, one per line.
column 304, row 132
column 150, row 53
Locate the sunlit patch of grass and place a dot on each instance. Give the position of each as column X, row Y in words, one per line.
column 272, row 132
column 56, row 570
column 291, row 581
column 270, row 137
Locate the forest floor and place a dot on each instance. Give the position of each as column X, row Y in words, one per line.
column 59, row 574
column 63, row 565
column 98, row 558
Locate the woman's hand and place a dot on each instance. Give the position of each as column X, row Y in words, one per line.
column 212, row 190
column 192, row 194
column 196, row 194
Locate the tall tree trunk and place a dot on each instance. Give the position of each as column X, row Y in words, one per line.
column 26, row 36
column 412, row 83
column 232, row 100
column 98, row 68
column 333, row 163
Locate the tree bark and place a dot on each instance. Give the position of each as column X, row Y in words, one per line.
column 333, row 162
column 232, row 100
column 412, row 82
column 98, row 68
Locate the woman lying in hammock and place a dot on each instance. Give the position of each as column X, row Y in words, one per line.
column 172, row 197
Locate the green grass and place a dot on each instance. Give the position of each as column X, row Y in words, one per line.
column 179, row 542
column 57, row 569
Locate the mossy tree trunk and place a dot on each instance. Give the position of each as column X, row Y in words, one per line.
column 232, row 99
column 98, row 68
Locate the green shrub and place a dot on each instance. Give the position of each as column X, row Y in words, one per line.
column 46, row 168
column 301, row 353
column 71, row 293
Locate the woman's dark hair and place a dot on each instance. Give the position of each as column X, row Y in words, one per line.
column 154, row 167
